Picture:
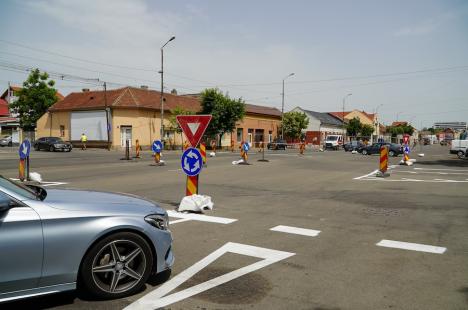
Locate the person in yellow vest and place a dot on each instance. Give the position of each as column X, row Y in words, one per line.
column 83, row 139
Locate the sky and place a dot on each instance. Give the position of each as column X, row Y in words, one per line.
column 407, row 60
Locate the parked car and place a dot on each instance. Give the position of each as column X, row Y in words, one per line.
column 277, row 144
column 426, row 141
column 393, row 149
column 333, row 142
column 6, row 141
column 57, row 240
column 458, row 145
column 352, row 146
column 445, row 141
column 52, row 144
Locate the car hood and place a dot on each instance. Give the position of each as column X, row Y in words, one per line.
column 100, row 202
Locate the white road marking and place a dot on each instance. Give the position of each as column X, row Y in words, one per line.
column 437, row 169
column 432, row 172
column 158, row 298
column 45, row 183
column 178, row 221
column 296, row 230
column 413, row 180
column 201, row 217
column 175, row 169
column 412, row 246
column 367, row 175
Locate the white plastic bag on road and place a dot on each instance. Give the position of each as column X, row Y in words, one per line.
column 212, row 154
column 196, row 203
column 36, row 177
column 236, row 162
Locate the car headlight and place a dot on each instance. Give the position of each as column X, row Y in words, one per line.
column 160, row 221
column 57, row 145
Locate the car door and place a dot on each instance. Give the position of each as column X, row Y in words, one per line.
column 21, row 247
column 40, row 143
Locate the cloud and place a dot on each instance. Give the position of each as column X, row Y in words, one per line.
column 425, row 27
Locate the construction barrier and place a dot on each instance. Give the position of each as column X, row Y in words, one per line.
column 127, row 150
column 192, row 185
column 22, row 170
column 383, row 159
column 157, row 158
column 203, row 152
column 232, row 146
column 137, row 149
column 302, row 148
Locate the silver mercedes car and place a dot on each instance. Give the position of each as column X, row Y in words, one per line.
column 57, row 240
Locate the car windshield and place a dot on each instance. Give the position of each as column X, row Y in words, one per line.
column 16, row 188
column 332, row 138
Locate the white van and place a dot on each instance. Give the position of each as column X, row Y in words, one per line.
column 333, row 142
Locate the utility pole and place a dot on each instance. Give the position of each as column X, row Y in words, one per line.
column 107, row 116
column 162, row 87
column 343, row 118
column 282, row 107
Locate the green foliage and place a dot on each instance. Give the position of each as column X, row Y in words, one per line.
column 294, row 123
column 173, row 120
column 226, row 112
column 353, row 127
column 37, row 95
column 400, row 130
column 366, row 130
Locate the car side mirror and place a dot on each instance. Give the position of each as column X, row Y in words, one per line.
column 6, row 205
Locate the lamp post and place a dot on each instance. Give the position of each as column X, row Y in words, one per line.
column 342, row 119
column 162, row 86
column 282, row 106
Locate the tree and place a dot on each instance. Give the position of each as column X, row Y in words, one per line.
column 34, row 99
column 353, row 127
column 400, row 130
column 173, row 119
column 366, row 130
column 226, row 112
column 294, row 123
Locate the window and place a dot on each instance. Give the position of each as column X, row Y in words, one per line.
column 240, row 134
column 62, row 131
column 17, row 189
column 250, row 136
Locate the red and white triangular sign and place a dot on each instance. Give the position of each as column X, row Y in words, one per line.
column 193, row 126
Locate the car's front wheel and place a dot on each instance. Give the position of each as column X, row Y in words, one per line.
column 461, row 154
column 391, row 153
column 364, row 152
column 117, row 266
column 51, row 148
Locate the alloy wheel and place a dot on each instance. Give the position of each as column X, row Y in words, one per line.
column 118, row 266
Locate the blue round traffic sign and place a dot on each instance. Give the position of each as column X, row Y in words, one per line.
column 191, row 162
column 157, row 146
column 407, row 149
column 24, row 149
column 246, row 147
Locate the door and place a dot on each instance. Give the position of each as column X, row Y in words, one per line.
column 125, row 134
column 20, row 248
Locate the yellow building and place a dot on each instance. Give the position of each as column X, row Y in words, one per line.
column 134, row 113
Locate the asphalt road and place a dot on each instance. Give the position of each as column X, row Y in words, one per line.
column 346, row 210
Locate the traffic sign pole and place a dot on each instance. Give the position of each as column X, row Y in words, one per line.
column 157, row 147
column 21, row 170
column 192, row 186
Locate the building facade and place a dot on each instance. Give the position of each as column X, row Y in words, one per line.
column 320, row 126
column 111, row 118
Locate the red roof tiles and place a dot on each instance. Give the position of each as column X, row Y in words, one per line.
column 4, row 111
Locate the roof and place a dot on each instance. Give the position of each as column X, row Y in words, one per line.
column 17, row 88
column 399, row 124
column 4, row 111
column 325, row 118
column 132, row 97
column 261, row 110
column 127, row 97
column 339, row 115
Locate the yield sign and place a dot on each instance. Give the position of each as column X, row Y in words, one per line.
column 194, row 127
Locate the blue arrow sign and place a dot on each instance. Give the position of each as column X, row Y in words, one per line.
column 24, row 149
column 157, row 146
column 407, row 149
column 246, row 147
column 191, row 162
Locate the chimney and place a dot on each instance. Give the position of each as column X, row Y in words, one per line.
column 85, row 90
column 144, row 87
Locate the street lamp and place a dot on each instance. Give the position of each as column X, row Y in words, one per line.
column 162, row 86
column 376, row 123
column 342, row 119
column 282, row 106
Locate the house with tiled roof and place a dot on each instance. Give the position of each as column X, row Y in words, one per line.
column 134, row 113
column 321, row 124
column 364, row 118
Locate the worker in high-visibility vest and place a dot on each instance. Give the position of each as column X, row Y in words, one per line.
column 83, row 139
